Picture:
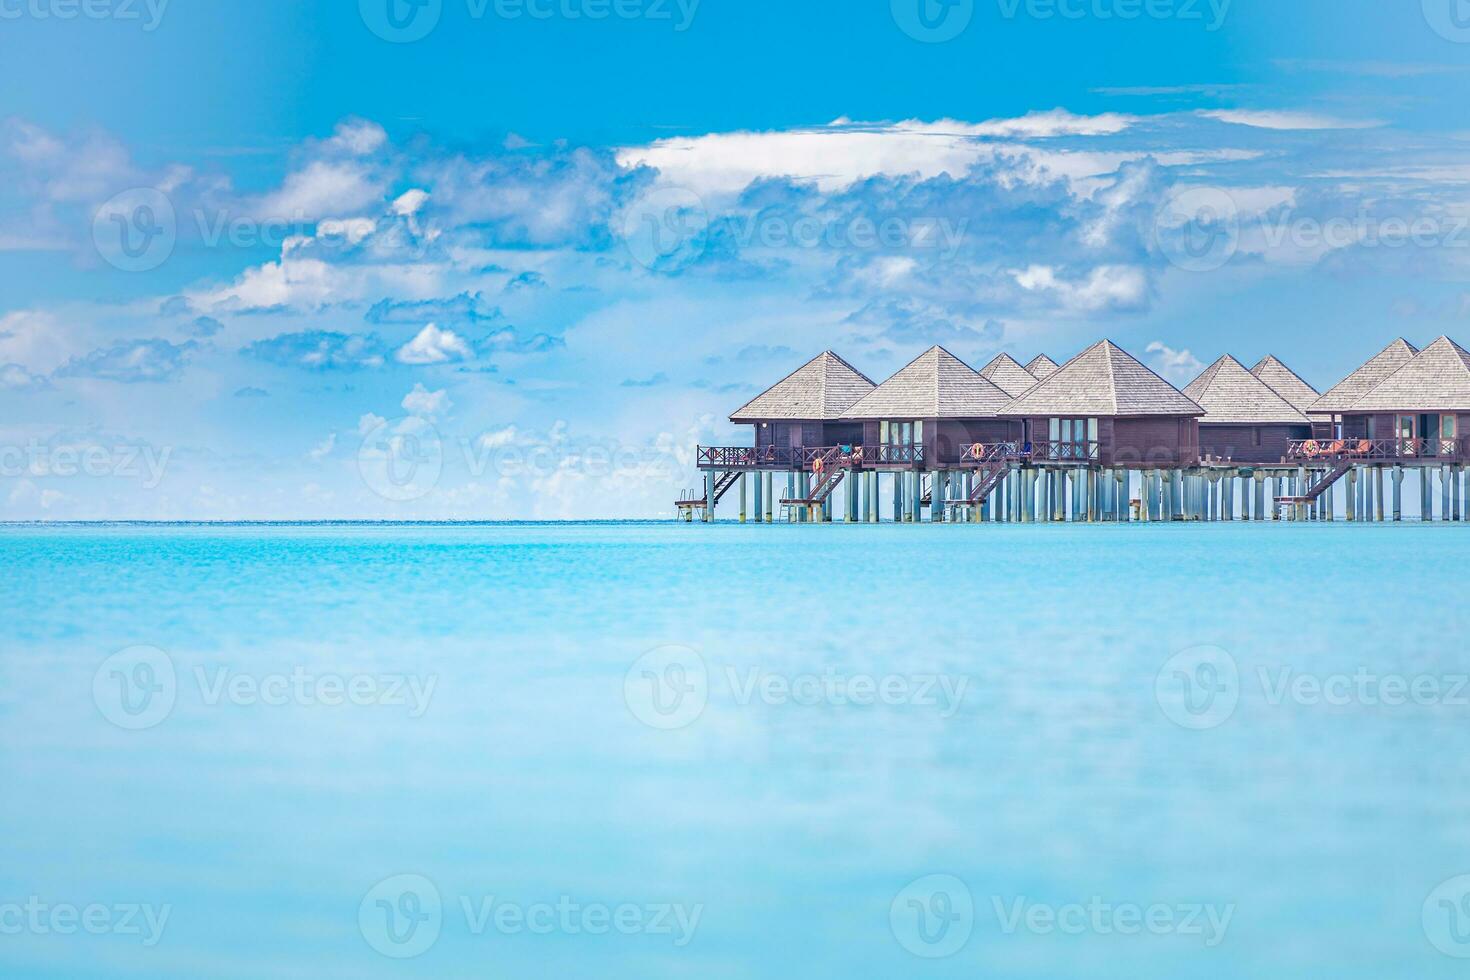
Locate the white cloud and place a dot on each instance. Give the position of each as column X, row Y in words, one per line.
column 1178, row 367
column 358, row 137
column 324, row 448
column 498, row 438
column 434, row 346
column 16, row 376
column 1106, row 287
column 1282, row 119
column 410, row 202
column 322, row 188
column 426, row 404
column 369, row 422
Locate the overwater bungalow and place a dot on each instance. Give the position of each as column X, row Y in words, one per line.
column 1341, row 396
column 1421, row 410
column 930, row 412
column 1006, row 373
column 1245, row 420
column 1041, row 367
column 803, row 409
column 1101, row 437
column 1105, row 407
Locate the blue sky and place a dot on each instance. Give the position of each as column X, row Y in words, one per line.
column 543, row 249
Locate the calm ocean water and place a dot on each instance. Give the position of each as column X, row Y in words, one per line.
column 667, row 750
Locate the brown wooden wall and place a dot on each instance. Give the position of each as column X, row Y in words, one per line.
column 1250, row 443
column 1166, row 440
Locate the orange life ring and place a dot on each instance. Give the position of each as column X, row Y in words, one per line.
column 977, row 451
column 1312, row 449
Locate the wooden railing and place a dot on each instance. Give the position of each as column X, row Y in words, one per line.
column 1310, row 450
column 990, row 452
column 893, row 455
column 1066, row 451
column 745, row 457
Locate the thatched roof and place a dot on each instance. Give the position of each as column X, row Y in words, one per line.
column 1436, row 380
column 1042, row 366
column 1229, row 393
column 1341, row 396
column 1286, row 382
column 820, row 390
column 935, row 385
column 1006, row 373
column 1103, row 380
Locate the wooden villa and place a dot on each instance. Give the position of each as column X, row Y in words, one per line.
column 1099, row 438
column 1245, row 420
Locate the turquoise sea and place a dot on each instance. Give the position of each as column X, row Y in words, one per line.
column 663, row 750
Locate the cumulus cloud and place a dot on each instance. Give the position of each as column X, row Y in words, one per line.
column 464, row 307
column 1178, row 367
column 130, row 362
column 426, row 404
column 16, row 376
column 1105, row 288
column 434, row 346
column 321, row 350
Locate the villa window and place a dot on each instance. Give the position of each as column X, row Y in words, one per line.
column 1072, row 438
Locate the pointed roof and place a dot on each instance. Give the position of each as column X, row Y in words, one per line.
column 1229, row 393
column 1342, row 395
column 1006, row 373
column 1042, row 367
column 821, row 389
column 1436, row 380
column 1103, row 380
column 934, row 385
column 1286, row 382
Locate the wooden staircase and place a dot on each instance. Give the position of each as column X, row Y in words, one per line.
column 1320, row 487
column 830, row 467
column 691, row 500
